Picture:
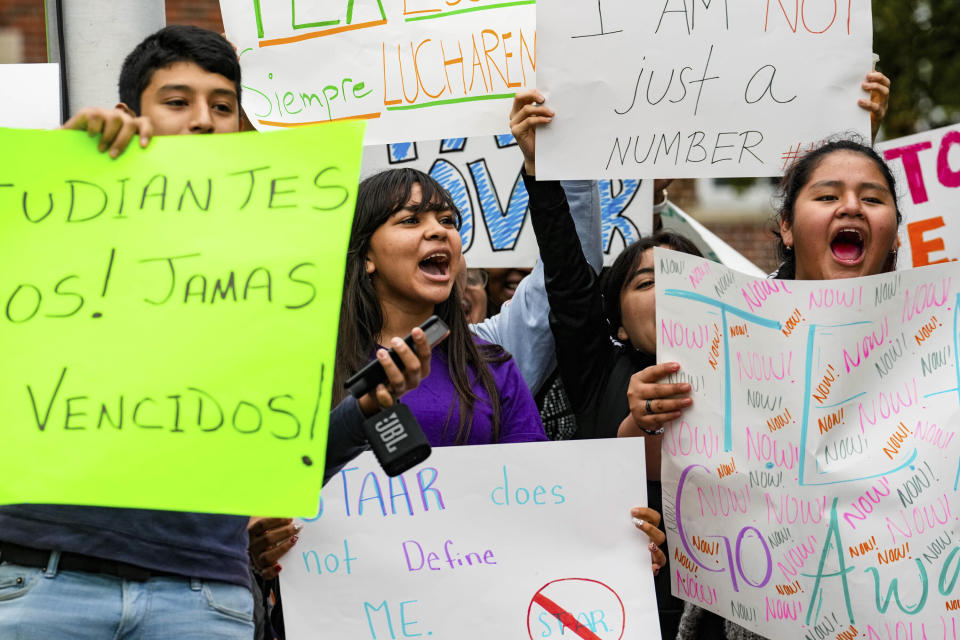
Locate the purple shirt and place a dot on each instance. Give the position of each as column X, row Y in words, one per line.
column 432, row 400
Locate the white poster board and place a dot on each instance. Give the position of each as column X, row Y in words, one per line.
column 696, row 88
column 927, row 168
column 710, row 244
column 30, row 96
column 812, row 489
column 414, row 69
column 483, row 176
column 498, row 541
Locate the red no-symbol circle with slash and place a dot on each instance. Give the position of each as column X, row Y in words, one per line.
column 587, row 608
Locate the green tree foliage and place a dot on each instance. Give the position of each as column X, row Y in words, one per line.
column 917, row 41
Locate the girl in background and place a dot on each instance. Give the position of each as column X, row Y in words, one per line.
column 587, row 314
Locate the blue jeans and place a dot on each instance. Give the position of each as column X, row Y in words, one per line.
column 52, row 604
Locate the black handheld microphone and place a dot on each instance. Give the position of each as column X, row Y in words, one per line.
column 394, row 433
column 366, row 380
column 396, row 439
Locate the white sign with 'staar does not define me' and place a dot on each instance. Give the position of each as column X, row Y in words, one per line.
column 529, row 540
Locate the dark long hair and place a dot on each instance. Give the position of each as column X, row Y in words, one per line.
column 626, row 263
column 796, row 178
column 361, row 318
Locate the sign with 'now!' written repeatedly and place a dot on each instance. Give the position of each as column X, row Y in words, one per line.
column 492, row 541
column 695, row 88
column 812, row 489
column 168, row 319
column 414, row 69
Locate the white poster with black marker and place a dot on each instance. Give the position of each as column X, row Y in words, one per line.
column 695, row 89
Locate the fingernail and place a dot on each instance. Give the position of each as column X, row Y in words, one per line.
column 638, row 522
column 114, row 153
column 396, row 342
column 293, row 539
column 652, row 547
column 277, row 568
column 298, row 527
column 381, row 354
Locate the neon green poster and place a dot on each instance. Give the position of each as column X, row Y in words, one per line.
column 168, row 319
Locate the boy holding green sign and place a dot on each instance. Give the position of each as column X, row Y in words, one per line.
column 69, row 560
column 93, row 572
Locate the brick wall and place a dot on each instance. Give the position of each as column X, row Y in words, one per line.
column 202, row 13
column 26, row 16
column 754, row 240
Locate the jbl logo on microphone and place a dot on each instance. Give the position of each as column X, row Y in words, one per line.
column 396, row 439
column 391, row 431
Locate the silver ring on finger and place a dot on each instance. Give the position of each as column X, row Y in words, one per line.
column 649, row 409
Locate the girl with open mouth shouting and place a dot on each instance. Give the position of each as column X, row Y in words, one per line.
column 402, row 262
